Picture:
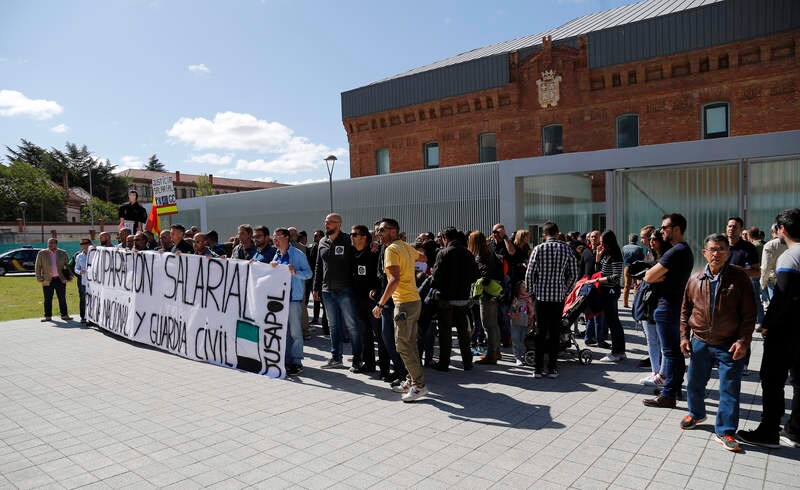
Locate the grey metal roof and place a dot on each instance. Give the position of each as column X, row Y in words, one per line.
column 648, row 29
column 626, row 14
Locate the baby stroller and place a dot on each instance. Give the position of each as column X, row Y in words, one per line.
column 581, row 300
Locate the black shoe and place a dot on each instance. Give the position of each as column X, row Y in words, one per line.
column 294, row 370
column 679, row 395
column 360, row 369
column 790, row 438
column 645, row 364
column 390, row 378
column 591, row 343
column 440, row 367
column 604, row 345
column 660, row 402
column 759, row 437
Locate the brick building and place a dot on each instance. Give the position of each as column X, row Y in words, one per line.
column 658, row 71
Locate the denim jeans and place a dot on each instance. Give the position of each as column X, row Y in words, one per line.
column 653, row 345
column 759, row 304
column 595, row 329
column 294, row 334
column 611, row 320
column 673, row 365
column 518, row 333
column 342, row 314
column 387, row 330
column 730, row 383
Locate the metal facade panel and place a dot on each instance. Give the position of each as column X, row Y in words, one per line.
column 429, row 200
column 472, row 76
column 686, row 30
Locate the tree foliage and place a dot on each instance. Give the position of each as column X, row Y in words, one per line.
column 102, row 210
column 22, row 182
column 155, row 165
column 204, row 187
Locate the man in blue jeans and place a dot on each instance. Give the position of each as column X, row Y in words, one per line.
column 333, row 281
column 672, row 271
column 717, row 322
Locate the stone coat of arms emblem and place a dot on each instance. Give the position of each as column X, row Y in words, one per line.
column 548, row 89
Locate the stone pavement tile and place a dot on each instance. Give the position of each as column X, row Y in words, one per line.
column 678, row 467
column 229, row 484
column 646, row 472
column 78, row 481
column 709, row 473
column 30, row 477
column 565, row 473
column 588, row 483
column 166, row 478
column 185, row 484
column 701, row 484
column 749, row 471
column 780, row 479
column 628, row 481
column 210, row 477
column 124, row 479
column 672, row 479
column 515, row 480
column 743, row 481
column 109, row 471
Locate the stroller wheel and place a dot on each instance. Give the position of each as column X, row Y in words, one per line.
column 585, row 357
column 530, row 358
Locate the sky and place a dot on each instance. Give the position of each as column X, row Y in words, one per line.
column 242, row 88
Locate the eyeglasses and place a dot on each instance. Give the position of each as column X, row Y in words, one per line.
column 381, row 229
column 713, row 251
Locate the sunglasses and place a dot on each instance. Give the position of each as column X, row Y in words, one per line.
column 665, row 227
column 386, row 228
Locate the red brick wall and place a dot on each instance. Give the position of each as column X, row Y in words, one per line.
column 761, row 83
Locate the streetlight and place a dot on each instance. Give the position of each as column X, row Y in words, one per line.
column 23, row 205
column 91, row 196
column 330, row 162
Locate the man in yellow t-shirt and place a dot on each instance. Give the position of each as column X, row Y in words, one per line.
column 399, row 260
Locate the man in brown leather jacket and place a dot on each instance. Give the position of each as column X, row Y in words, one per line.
column 717, row 323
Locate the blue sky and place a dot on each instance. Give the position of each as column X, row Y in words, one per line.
column 245, row 88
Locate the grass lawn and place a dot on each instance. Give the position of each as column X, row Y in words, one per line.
column 21, row 297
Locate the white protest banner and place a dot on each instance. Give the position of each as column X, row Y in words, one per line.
column 227, row 312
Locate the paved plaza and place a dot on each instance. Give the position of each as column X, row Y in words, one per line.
column 81, row 408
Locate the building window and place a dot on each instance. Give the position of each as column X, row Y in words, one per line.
column 715, row 120
column 627, row 130
column 192, row 192
column 183, row 193
column 382, row 161
column 552, row 142
column 430, row 151
column 487, row 147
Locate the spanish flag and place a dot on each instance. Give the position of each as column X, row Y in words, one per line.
column 153, row 220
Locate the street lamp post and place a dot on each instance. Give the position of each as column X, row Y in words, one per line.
column 23, row 205
column 329, row 163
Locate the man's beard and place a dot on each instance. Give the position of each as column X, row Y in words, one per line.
column 330, row 232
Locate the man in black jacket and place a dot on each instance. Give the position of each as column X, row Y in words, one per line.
column 455, row 270
column 333, row 282
column 366, row 285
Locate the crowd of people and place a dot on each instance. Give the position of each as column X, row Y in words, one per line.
column 377, row 291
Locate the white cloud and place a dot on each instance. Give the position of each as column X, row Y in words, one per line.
column 211, row 159
column 305, row 181
column 14, row 103
column 201, row 68
column 244, row 132
column 60, row 129
column 129, row 162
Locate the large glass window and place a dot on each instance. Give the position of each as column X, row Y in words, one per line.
column 382, row 161
column 552, row 143
column 575, row 202
column 627, row 130
column 487, row 147
column 430, row 152
column 774, row 185
column 705, row 194
column 715, row 120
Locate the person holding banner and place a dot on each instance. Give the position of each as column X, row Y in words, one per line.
column 132, row 215
column 301, row 271
column 80, row 271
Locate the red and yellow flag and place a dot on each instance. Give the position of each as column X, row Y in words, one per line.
column 153, row 224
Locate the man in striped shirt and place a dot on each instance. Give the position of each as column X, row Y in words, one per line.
column 552, row 272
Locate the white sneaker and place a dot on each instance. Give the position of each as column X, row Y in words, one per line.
column 402, row 387
column 415, row 393
column 614, row 357
column 654, row 380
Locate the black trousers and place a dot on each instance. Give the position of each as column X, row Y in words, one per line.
column 548, row 332
column 61, row 292
column 82, row 299
column 780, row 357
column 370, row 328
column 453, row 316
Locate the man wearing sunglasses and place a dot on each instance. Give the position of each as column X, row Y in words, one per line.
column 673, row 270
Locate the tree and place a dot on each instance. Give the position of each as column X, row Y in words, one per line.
column 21, row 181
column 204, row 187
column 155, row 165
column 102, row 210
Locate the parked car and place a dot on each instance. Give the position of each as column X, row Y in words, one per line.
column 18, row 260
